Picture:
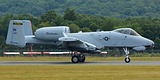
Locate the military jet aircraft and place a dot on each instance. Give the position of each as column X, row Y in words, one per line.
column 20, row 34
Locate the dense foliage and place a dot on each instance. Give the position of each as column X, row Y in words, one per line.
column 146, row 26
column 112, row 8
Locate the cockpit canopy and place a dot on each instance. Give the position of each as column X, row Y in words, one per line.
column 128, row 31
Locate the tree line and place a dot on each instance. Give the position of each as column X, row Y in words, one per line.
column 146, row 26
column 113, row 8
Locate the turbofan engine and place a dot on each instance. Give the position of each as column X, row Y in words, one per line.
column 51, row 33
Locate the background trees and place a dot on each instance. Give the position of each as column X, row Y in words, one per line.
column 111, row 8
column 145, row 26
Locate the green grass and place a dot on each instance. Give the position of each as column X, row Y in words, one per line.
column 79, row 72
column 88, row 58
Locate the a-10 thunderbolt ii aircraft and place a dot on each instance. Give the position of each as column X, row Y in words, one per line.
column 20, row 34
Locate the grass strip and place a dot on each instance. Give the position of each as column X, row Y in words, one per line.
column 79, row 72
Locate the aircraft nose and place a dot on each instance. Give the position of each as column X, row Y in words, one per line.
column 151, row 43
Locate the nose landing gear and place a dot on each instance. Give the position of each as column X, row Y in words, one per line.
column 127, row 59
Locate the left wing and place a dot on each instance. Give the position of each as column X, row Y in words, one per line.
column 75, row 44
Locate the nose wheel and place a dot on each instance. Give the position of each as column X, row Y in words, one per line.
column 127, row 59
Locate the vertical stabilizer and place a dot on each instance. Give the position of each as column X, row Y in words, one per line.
column 17, row 31
column 27, row 27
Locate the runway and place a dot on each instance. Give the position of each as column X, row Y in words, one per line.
column 154, row 63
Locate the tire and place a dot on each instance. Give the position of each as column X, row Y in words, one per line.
column 75, row 59
column 127, row 60
column 82, row 58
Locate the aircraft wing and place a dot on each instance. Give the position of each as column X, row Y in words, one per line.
column 72, row 42
column 78, row 45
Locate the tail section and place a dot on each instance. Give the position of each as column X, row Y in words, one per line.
column 17, row 31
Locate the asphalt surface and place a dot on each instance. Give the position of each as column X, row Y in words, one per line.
column 154, row 63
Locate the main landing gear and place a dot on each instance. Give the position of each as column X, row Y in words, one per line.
column 127, row 59
column 78, row 58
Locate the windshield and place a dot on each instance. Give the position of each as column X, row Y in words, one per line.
column 128, row 31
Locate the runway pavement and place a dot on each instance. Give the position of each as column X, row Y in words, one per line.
column 154, row 63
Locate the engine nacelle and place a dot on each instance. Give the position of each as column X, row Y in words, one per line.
column 51, row 33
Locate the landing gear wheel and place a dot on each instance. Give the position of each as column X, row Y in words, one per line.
column 127, row 59
column 82, row 58
column 75, row 59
